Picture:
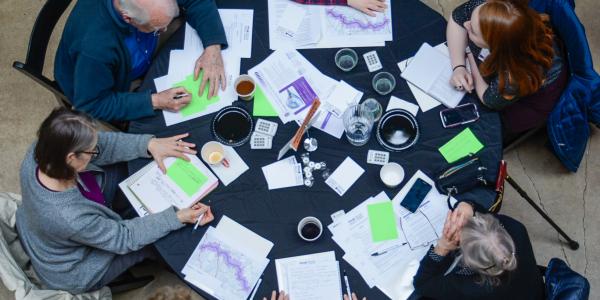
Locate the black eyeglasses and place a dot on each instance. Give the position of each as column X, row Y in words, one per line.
column 93, row 153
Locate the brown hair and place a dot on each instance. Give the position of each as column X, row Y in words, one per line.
column 169, row 293
column 62, row 132
column 520, row 44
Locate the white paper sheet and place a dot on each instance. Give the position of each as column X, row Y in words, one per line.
column 237, row 167
column 342, row 96
column 221, row 266
column 157, row 191
column 396, row 102
column 307, row 32
column 251, row 242
column 344, row 176
column 284, row 173
column 314, row 276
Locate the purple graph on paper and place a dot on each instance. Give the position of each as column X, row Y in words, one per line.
column 230, row 261
column 353, row 23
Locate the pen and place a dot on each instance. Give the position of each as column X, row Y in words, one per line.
column 179, row 96
column 198, row 221
column 256, row 288
column 347, row 285
column 388, row 249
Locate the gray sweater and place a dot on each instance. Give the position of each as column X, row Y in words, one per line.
column 72, row 240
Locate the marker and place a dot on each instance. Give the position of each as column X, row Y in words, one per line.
column 179, row 96
column 198, row 221
column 388, row 249
column 347, row 285
column 256, row 288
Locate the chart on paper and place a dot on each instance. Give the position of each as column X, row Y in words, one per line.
column 216, row 263
column 349, row 21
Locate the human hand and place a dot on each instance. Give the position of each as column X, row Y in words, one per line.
column 161, row 148
column 191, row 215
column 166, row 99
column 462, row 213
column 369, row 7
column 461, row 79
column 282, row 296
column 211, row 63
column 450, row 237
column 353, row 297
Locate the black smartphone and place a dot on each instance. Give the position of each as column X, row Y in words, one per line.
column 415, row 195
column 459, row 115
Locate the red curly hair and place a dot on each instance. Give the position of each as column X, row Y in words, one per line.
column 520, row 44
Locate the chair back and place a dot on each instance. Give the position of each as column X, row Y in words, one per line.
column 38, row 44
column 562, row 283
column 568, row 128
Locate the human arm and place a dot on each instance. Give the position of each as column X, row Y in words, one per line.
column 369, row 7
column 480, row 85
column 457, row 39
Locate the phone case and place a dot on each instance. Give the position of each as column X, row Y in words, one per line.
column 459, row 123
column 415, row 195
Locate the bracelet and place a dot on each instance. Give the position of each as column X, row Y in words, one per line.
column 459, row 66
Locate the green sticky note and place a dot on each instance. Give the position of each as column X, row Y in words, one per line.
column 460, row 146
column 199, row 102
column 382, row 221
column 186, row 176
column 262, row 106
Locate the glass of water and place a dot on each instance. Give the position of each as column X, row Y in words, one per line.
column 384, row 83
column 358, row 124
column 346, row 59
column 373, row 107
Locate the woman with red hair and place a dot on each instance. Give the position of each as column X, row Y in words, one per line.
column 516, row 62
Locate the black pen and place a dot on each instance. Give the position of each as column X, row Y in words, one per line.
column 388, row 249
column 179, row 96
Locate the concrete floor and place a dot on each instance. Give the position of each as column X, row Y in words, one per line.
column 573, row 200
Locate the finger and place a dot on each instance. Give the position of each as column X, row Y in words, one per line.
column 376, row 8
column 197, row 69
column 186, row 144
column 177, row 90
column 368, row 12
column 203, row 84
column 223, row 81
column 161, row 165
column 178, row 154
column 470, row 81
column 354, row 296
column 346, row 297
column 273, row 295
column 183, row 101
column 213, row 82
column 179, row 137
column 187, row 150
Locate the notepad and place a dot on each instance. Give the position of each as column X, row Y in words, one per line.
column 461, row 145
column 344, row 176
column 199, row 102
column 262, row 106
column 382, row 221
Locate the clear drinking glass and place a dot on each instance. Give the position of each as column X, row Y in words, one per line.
column 374, row 107
column 384, row 83
column 358, row 124
column 346, row 59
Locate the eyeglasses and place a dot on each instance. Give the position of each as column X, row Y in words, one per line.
column 93, row 153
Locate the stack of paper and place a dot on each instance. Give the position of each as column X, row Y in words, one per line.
column 284, row 173
column 314, row 276
column 228, row 261
column 292, row 25
column 290, row 83
column 238, row 30
column 151, row 191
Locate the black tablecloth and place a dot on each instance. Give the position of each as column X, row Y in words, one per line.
column 275, row 214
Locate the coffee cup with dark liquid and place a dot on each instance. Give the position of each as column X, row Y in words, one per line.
column 310, row 229
column 244, row 87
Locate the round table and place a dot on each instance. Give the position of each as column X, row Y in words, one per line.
column 275, row 214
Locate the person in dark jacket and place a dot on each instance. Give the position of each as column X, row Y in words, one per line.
column 106, row 44
column 490, row 257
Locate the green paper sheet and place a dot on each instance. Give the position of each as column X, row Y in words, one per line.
column 186, row 176
column 262, row 106
column 461, row 145
column 198, row 103
column 382, row 221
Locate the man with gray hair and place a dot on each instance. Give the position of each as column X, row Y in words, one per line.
column 107, row 44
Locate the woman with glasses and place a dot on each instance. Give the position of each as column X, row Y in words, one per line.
column 488, row 257
column 69, row 179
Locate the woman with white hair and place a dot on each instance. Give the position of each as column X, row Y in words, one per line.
column 490, row 257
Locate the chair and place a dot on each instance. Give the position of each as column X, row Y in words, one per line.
column 36, row 51
column 503, row 177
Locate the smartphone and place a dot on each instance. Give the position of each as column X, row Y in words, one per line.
column 459, row 115
column 415, row 195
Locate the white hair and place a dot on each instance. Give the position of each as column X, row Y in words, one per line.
column 487, row 248
column 141, row 13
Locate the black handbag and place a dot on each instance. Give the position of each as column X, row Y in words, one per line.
column 461, row 176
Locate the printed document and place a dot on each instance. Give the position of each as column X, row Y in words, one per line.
column 284, row 173
column 396, row 102
column 238, row 31
column 344, row 176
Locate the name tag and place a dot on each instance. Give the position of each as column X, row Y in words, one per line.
column 483, row 54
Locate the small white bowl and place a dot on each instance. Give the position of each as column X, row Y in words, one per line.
column 391, row 174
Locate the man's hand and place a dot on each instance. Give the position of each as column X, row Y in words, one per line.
column 172, row 99
column 191, row 215
column 369, row 7
column 210, row 63
column 170, row 147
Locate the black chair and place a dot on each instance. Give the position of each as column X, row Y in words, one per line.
column 36, row 51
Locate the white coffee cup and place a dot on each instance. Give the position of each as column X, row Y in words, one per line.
column 213, row 153
column 307, row 234
column 391, row 174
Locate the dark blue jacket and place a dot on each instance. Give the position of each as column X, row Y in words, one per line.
column 92, row 62
column 568, row 128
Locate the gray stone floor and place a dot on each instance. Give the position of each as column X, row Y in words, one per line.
column 573, row 200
